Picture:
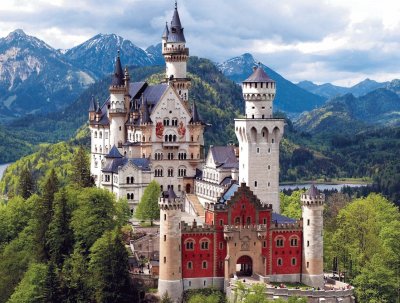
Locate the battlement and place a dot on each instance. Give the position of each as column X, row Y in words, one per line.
column 238, row 228
column 308, row 200
column 170, row 204
column 287, row 226
column 194, row 228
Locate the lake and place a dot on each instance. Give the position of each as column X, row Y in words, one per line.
column 321, row 186
column 3, row 168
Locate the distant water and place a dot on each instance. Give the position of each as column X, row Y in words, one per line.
column 3, row 168
column 321, row 186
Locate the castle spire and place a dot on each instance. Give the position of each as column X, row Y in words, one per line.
column 118, row 76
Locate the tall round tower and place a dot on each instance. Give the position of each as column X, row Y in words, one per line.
column 170, row 277
column 259, row 135
column 313, row 250
column 118, row 108
column 176, row 55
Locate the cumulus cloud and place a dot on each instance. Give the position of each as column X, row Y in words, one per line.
column 319, row 40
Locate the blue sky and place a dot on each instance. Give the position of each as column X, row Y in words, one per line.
column 338, row 41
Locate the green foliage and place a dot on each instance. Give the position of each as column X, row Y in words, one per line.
column 32, row 286
column 81, row 169
column 93, row 216
column 26, row 183
column 147, row 208
column 166, row 298
column 291, row 205
column 206, row 295
column 364, row 243
column 108, row 267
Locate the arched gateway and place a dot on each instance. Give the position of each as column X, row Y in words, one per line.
column 244, row 266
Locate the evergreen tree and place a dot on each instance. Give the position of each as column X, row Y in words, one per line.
column 26, row 183
column 81, row 169
column 108, row 266
column 94, row 215
column 59, row 235
column 147, row 208
column 44, row 214
column 52, row 288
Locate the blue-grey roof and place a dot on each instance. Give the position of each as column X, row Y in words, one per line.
column 229, row 193
column 153, row 93
column 92, row 105
column 277, row 218
column 313, row 191
column 114, row 153
column 176, row 31
column 166, row 31
column 112, row 165
column 226, row 181
column 118, row 76
column 259, row 75
column 224, row 156
column 136, row 89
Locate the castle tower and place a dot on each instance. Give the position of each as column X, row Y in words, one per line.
column 117, row 112
column 176, row 55
column 259, row 135
column 312, row 207
column 170, row 277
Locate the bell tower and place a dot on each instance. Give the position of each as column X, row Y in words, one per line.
column 259, row 135
column 176, row 55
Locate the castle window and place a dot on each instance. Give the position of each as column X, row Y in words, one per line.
column 294, row 241
column 166, row 122
column 204, row 265
column 221, row 245
column 265, row 221
column 204, row 244
column 255, row 183
column 308, row 221
column 308, row 264
column 269, row 166
column 165, row 260
column 294, row 261
column 189, row 245
column 221, row 222
column 308, row 243
column 170, row 172
column 279, row 242
column 255, row 85
column 165, row 238
column 237, row 221
column 248, row 221
column 273, row 140
column 106, row 135
column 269, row 150
column 174, row 122
column 165, row 217
column 107, row 178
column 120, row 128
column 280, row 262
column 258, row 150
column 190, row 265
column 264, row 244
column 95, row 134
column 100, row 135
column 190, row 283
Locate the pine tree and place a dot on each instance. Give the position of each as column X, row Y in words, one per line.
column 59, row 235
column 81, row 169
column 26, row 183
column 148, row 208
column 52, row 288
column 44, row 214
column 109, row 269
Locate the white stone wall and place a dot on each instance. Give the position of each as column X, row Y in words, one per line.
column 194, row 283
column 259, row 157
column 99, row 147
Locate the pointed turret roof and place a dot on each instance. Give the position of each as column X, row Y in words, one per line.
column 118, row 76
column 145, row 118
column 114, row 153
column 259, row 75
column 92, row 105
column 313, row 191
column 171, row 194
column 195, row 114
column 166, row 31
column 176, row 33
column 98, row 111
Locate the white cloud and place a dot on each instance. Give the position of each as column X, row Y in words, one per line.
column 318, row 40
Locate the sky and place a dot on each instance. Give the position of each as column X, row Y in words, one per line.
column 337, row 41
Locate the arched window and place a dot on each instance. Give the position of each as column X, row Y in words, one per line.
column 189, row 244
column 204, row 244
column 190, row 265
column 280, row 262
column 294, row 241
column 294, row 261
column 279, row 241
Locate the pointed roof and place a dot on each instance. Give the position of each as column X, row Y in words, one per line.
column 313, row 191
column 171, row 194
column 98, row 111
column 259, row 75
column 166, row 31
column 92, row 105
column 176, row 33
column 195, row 114
column 114, row 153
column 118, row 76
column 145, row 118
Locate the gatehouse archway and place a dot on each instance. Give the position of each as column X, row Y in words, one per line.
column 244, row 266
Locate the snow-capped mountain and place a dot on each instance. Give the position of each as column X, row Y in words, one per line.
column 97, row 55
column 155, row 54
column 34, row 77
column 289, row 97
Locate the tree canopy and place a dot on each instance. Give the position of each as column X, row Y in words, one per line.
column 147, row 208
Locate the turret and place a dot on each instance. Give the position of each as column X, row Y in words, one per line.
column 259, row 135
column 119, row 89
column 92, row 109
column 259, row 93
column 170, row 277
column 176, row 55
column 313, row 207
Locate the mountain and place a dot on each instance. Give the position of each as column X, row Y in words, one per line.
column 289, row 97
column 349, row 114
column 34, row 77
column 329, row 91
column 155, row 54
column 97, row 55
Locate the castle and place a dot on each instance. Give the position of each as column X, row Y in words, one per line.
column 144, row 132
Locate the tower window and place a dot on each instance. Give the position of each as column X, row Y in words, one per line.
column 255, row 183
column 293, row 242
column 279, row 242
column 189, row 245
column 204, row 265
column 264, row 244
column 258, row 150
column 308, row 264
column 204, row 245
column 279, row 262
column 165, row 238
column 165, row 259
column 190, row 265
column 308, row 243
column 308, row 222
column 294, row 261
